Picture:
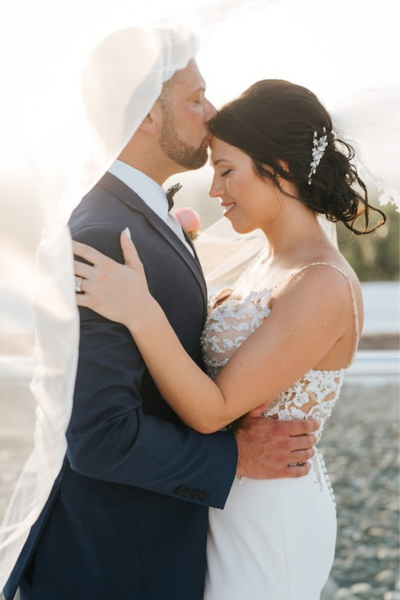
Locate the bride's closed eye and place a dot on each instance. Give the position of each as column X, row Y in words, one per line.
column 225, row 173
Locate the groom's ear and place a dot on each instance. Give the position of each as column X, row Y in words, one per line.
column 151, row 124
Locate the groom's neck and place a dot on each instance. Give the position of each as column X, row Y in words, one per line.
column 150, row 160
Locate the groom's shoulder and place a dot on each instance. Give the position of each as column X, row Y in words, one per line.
column 103, row 213
column 110, row 203
column 107, row 202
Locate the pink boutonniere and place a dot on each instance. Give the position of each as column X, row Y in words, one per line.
column 189, row 220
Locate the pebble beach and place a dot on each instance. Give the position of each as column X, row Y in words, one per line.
column 360, row 446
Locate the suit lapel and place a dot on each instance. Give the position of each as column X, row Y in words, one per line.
column 124, row 193
column 189, row 241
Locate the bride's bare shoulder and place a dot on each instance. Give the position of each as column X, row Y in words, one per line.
column 327, row 274
column 336, row 259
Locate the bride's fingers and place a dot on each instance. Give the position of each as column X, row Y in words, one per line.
column 83, row 300
column 82, row 285
column 129, row 250
column 90, row 254
column 83, row 270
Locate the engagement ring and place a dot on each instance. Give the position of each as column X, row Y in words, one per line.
column 78, row 284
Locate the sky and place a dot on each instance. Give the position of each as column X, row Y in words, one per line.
column 330, row 47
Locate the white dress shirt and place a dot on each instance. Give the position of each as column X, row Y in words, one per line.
column 151, row 193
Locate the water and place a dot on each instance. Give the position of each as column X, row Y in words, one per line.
column 381, row 306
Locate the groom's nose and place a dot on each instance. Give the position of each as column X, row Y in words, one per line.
column 210, row 112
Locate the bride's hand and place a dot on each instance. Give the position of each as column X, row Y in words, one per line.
column 117, row 292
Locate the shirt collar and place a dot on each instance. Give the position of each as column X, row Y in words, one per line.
column 148, row 189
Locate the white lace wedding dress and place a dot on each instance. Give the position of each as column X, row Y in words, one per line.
column 275, row 539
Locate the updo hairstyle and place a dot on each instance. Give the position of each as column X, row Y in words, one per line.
column 275, row 120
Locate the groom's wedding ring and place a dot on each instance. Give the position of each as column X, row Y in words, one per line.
column 78, row 284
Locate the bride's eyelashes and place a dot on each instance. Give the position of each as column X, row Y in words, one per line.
column 225, row 173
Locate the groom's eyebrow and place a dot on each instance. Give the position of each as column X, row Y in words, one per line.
column 202, row 88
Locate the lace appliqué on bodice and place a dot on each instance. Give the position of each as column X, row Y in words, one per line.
column 232, row 322
column 229, row 325
column 312, row 396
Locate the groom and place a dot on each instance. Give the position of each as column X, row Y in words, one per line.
column 127, row 517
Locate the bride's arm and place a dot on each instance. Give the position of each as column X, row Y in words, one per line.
column 306, row 321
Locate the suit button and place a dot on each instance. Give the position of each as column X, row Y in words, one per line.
column 204, row 495
column 196, row 495
column 189, row 493
column 181, row 490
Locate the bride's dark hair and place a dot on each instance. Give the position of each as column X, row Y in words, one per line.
column 275, row 120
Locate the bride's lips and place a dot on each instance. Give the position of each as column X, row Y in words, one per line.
column 227, row 206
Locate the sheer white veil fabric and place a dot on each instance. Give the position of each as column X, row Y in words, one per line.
column 78, row 77
column 231, row 259
column 77, row 80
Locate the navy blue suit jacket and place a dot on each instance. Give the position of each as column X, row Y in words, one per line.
column 127, row 517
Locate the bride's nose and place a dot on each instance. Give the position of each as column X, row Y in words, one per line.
column 216, row 190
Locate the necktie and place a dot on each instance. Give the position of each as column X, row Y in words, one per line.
column 171, row 193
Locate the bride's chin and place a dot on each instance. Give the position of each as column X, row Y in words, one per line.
column 239, row 225
column 241, row 228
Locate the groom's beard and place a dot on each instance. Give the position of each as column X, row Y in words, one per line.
column 179, row 151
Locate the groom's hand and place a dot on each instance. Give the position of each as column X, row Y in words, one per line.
column 272, row 449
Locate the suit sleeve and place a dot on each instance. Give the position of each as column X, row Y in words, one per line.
column 111, row 438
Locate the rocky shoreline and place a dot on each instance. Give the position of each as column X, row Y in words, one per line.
column 360, row 446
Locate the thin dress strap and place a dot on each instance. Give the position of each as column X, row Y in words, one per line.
column 353, row 300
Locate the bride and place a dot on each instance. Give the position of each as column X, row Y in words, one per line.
column 286, row 332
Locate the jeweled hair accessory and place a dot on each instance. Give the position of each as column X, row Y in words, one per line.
column 317, row 152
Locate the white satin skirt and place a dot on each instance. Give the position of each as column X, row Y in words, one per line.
column 274, row 540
